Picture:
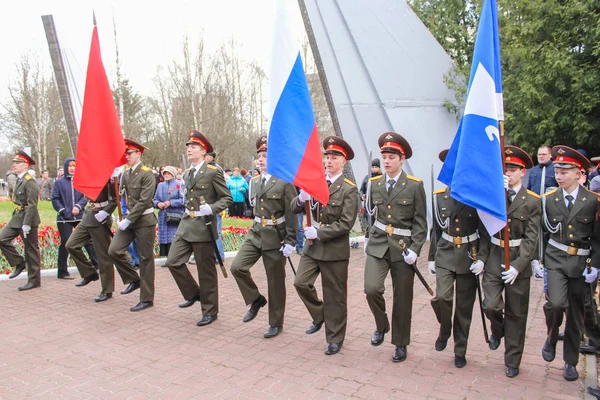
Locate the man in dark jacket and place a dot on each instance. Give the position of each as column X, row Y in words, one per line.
column 545, row 169
column 69, row 203
column 375, row 171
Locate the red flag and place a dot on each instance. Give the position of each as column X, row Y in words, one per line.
column 100, row 147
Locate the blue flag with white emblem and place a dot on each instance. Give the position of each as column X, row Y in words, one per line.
column 473, row 166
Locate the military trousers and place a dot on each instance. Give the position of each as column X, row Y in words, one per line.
column 403, row 276
column 144, row 238
column 333, row 309
column 508, row 317
column 274, row 263
column 442, row 304
column 32, row 251
column 101, row 237
column 207, row 288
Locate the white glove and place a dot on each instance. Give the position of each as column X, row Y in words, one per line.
column 101, row 216
column 365, row 245
column 537, row 269
column 287, row 250
column 431, row 267
column 117, row 171
column 505, row 182
column 476, row 267
column 411, row 257
column 124, row 224
column 510, row 276
column 303, row 196
column 589, row 277
column 26, row 229
column 310, row 232
column 205, row 210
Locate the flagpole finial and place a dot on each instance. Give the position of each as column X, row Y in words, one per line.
column 94, row 17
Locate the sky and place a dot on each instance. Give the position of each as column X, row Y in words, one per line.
column 149, row 33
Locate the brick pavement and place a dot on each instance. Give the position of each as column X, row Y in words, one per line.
column 58, row 343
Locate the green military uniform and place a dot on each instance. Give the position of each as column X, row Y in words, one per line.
column 193, row 235
column 329, row 255
column 574, row 236
column 274, row 225
column 457, row 241
column 25, row 196
column 101, row 235
column 138, row 185
column 400, row 214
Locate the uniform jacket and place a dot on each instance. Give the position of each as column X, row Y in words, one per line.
column 336, row 220
column 523, row 223
column 65, row 197
column 274, row 200
column 209, row 183
column 107, row 194
column 404, row 208
column 25, row 194
column 138, row 192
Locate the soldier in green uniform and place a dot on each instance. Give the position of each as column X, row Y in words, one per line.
column 272, row 237
column 570, row 215
column 193, row 234
column 138, row 184
column 457, row 228
column 329, row 253
column 397, row 201
column 506, row 292
column 24, row 221
column 95, row 225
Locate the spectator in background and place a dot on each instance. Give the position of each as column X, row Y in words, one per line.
column 69, row 203
column 595, row 184
column 168, row 198
column 247, row 207
column 595, row 170
column 45, row 186
column 238, row 187
column 159, row 176
column 375, row 171
column 544, row 167
column 227, row 175
column 59, row 174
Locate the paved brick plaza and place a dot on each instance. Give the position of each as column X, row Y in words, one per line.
column 58, row 343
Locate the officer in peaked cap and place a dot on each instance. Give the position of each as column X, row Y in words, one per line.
column 399, row 202
column 329, row 253
column 570, row 216
column 24, row 221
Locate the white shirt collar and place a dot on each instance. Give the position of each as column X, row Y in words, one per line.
column 334, row 178
column 266, row 176
column 517, row 188
column 20, row 176
column 198, row 166
column 573, row 193
column 395, row 178
column 135, row 166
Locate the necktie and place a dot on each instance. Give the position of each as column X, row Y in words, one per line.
column 391, row 184
column 191, row 175
column 328, row 182
column 511, row 194
column 570, row 201
column 263, row 181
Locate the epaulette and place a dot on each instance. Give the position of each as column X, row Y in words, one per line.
column 27, row 177
column 550, row 192
column 349, row 182
column 592, row 192
column 534, row 194
column 440, row 191
column 211, row 167
column 255, row 177
column 375, row 178
column 413, row 178
column 144, row 168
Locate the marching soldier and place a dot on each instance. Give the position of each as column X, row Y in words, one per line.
column 397, row 201
column 570, row 215
column 24, row 221
column 508, row 317
column 272, row 237
column 193, row 235
column 95, row 225
column 329, row 253
column 457, row 230
column 139, row 224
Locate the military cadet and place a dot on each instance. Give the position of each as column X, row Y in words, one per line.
column 570, row 216
column 508, row 317
column 24, row 221
column 457, row 231
column 272, row 237
column 329, row 253
column 95, row 225
column 139, row 224
column 397, row 201
column 194, row 232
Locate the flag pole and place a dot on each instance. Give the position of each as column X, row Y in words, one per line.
column 505, row 235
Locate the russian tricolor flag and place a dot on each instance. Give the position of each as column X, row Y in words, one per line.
column 293, row 151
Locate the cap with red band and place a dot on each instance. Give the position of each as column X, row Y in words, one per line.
column 195, row 137
column 261, row 144
column 21, row 156
column 391, row 142
column 566, row 157
column 517, row 157
column 131, row 146
column 337, row 145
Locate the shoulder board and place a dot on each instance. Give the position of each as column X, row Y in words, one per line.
column 211, row 167
column 534, row 194
column 144, row 168
column 413, row 178
column 592, row 192
column 255, row 177
column 349, row 182
column 375, row 178
column 440, row 191
column 187, row 170
column 27, row 177
column 550, row 192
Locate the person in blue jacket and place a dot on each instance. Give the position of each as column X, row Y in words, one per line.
column 238, row 186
